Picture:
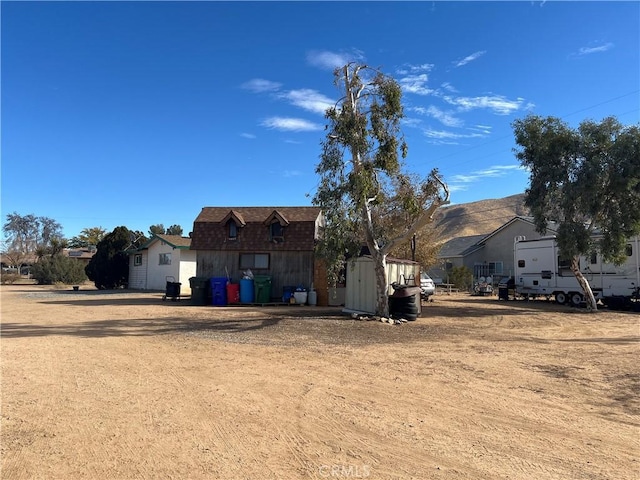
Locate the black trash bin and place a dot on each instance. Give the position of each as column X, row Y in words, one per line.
column 173, row 289
column 506, row 284
column 199, row 290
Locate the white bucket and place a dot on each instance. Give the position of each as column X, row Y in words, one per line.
column 312, row 297
column 301, row 297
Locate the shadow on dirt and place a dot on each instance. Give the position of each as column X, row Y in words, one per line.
column 133, row 327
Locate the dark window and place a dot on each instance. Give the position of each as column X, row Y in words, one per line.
column 254, row 261
column 629, row 250
column 564, row 267
column 137, row 259
column 164, row 259
column 521, row 263
column 594, row 259
column 276, row 231
column 233, row 230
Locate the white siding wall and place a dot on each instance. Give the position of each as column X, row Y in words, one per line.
column 360, row 292
column 187, row 270
column 183, row 267
column 138, row 273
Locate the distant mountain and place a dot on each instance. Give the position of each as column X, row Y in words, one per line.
column 479, row 218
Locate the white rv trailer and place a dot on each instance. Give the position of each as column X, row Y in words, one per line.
column 540, row 271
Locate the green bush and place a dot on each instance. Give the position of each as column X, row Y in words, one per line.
column 9, row 278
column 58, row 269
column 461, row 277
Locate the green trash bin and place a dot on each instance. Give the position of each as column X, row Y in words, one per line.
column 262, row 285
column 199, row 290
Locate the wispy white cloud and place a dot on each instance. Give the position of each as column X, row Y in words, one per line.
column 327, row 60
column 470, row 58
column 446, row 118
column 407, row 69
column 308, row 99
column 485, row 129
column 291, row 173
column 414, row 78
column 589, row 50
column 448, row 87
column 448, row 135
column 496, row 103
column 250, row 136
column 416, row 84
column 259, row 85
column 291, row 124
column 491, row 172
column 457, row 188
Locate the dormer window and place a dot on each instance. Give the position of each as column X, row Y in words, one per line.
column 276, row 222
column 233, row 230
column 276, row 232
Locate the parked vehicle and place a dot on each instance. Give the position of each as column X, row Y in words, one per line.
column 540, row 271
column 427, row 287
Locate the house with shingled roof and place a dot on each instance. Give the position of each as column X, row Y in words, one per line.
column 277, row 242
column 489, row 255
column 163, row 258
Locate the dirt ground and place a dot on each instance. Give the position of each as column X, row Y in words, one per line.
column 121, row 385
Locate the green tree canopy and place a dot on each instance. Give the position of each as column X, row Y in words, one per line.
column 88, row 237
column 157, row 229
column 366, row 196
column 109, row 267
column 587, row 180
column 174, row 230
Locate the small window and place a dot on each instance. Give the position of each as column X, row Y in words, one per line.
column 233, row 230
column 564, row 267
column 594, row 259
column 495, row 268
column 254, row 261
column 521, row 263
column 276, row 231
column 137, row 259
column 629, row 250
column 165, row 259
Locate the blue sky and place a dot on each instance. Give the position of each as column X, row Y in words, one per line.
column 137, row 113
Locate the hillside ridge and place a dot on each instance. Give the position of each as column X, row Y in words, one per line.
column 480, row 217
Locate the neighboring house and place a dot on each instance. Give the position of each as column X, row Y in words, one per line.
column 163, row 258
column 83, row 255
column 488, row 255
column 277, row 242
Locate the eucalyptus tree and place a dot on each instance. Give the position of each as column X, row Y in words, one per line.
column 363, row 183
column 585, row 179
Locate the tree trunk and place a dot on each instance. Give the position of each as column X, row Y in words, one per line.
column 586, row 288
column 382, row 299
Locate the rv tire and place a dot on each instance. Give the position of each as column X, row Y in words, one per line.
column 561, row 298
column 576, row 299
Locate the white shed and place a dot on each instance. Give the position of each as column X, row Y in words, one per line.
column 360, row 292
column 162, row 257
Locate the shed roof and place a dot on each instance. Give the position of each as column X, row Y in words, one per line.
column 258, row 214
column 175, row 241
